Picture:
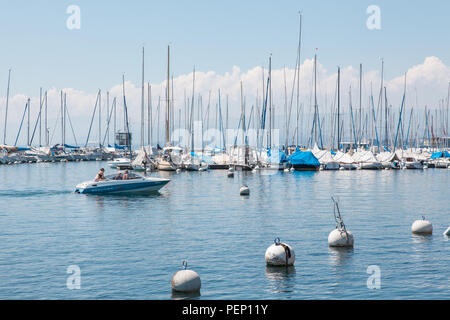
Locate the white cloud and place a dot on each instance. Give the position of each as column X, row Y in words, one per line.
column 429, row 78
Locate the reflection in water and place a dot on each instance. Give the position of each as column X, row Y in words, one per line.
column 421, row 238
column 282, row 279
column 340, row 255
column 185, row 295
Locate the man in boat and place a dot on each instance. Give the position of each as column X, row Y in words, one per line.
column 119, row 176
column 100, row 175
column 125, row 175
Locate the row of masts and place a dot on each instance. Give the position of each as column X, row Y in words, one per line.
column 378, row 126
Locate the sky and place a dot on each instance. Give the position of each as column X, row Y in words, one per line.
column 226, row 42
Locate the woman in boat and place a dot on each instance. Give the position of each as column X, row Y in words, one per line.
column 125, row 175
column 100, row 175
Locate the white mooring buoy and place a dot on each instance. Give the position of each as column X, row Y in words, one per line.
column 339, row 237
column 244, row 191
column 447, row 232
column 186, row 280
column 422, row 227
column 286, row 170
column 178, row 170
column 280, row 254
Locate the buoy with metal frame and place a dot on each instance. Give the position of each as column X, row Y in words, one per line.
column 186, row 280
column 339, row 237
column 280, row 254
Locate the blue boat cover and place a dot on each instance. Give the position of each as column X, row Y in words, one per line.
column 276, row 158
column 303, row 157
column 71, row 147
column 440, row 154
column 204, row 158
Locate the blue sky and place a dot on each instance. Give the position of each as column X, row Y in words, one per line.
column 212, row 35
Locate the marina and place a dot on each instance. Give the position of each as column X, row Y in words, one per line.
column 129, row 247
column 245, row 151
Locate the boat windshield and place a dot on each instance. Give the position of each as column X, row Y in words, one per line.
column 131, row 176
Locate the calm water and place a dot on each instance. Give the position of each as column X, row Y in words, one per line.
column 129, row 247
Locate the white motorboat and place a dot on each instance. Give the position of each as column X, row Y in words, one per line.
column 165, row 165
column 120, row 163
column 135, row 184
column 412, row 163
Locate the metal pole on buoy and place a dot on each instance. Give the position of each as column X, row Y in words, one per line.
column 186, row 280
column 339, row 237
column 280, row 254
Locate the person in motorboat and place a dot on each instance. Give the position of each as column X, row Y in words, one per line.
column 125, row 175
column 100, row 175
column 119, row 176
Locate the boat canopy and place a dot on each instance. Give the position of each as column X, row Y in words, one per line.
column 303, row 157
column 387, row 157
column 70, row 147
column 279, row 157
column 343, row 158
column 440, row 154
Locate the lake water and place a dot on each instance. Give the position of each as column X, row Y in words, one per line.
column 130, row 247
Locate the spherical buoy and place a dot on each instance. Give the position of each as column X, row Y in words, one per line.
column 447, row 232
column 340, row 238
column 425, row 167
column 244, row 191
column 178, row 170
column 422, row 227
column 280, row 254
column 231, row 169
column 286, row 170
column 341, row 168
column 292, row 169
column 186, row 280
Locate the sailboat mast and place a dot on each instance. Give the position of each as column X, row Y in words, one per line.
column 168, row 97
column 109, row 117
column 149, row 116
column 338, row 108
column 298, row 71
column 360, row 102
column 45, row 122
column 6, row 109
column 142, row 101
column 28, row 123
column 270, row 101
column 99, row 119
column 315, row 98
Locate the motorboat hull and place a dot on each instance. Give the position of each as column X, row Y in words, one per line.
column 135, row 186
column 166, row 166
column 371, row 166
